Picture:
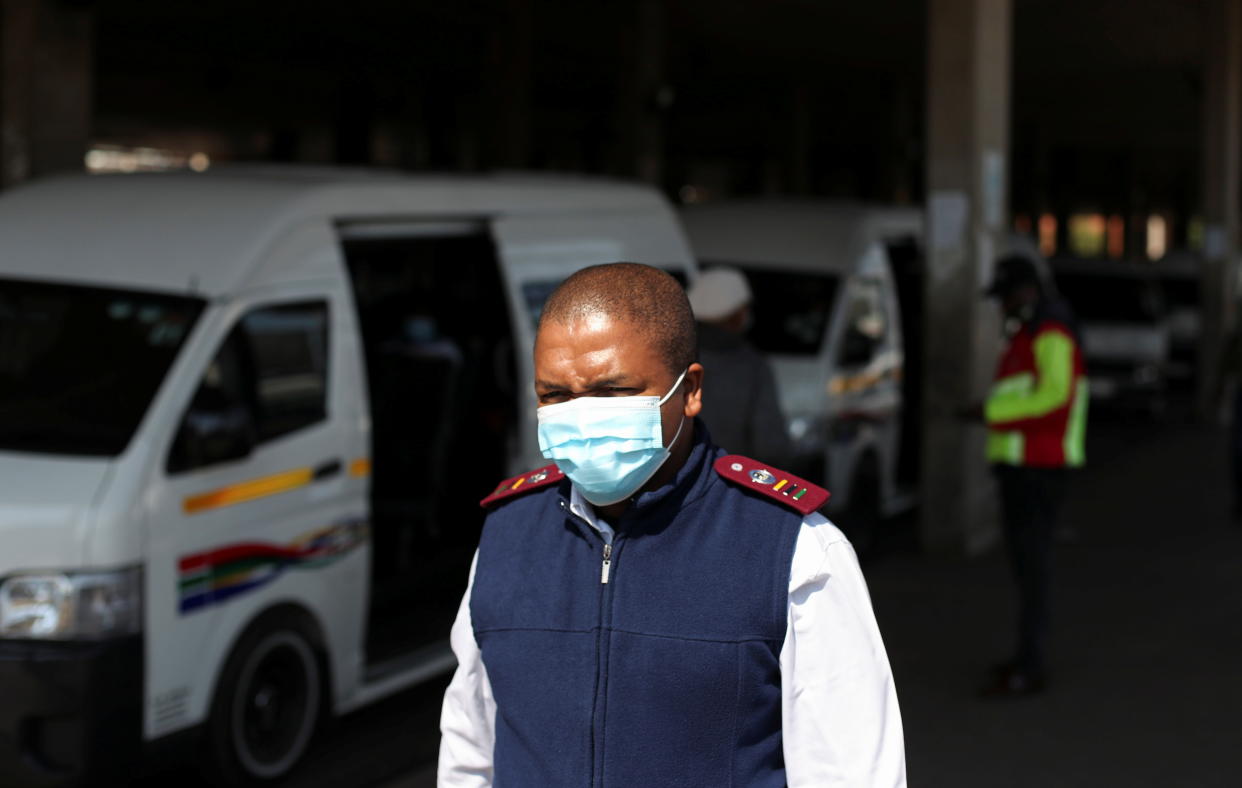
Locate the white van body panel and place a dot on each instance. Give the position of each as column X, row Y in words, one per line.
column 208, row 234
column 46, row 509
column 801, row 235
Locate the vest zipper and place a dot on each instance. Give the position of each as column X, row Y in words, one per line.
column 603, row 641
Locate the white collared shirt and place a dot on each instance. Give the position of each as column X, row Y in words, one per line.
column 839, row 717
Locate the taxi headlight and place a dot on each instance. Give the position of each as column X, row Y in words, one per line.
column 67, row 606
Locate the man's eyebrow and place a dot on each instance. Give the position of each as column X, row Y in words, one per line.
column 619, row 380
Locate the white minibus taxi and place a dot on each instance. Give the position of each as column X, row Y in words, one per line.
column 827, row 314
column 245, row 420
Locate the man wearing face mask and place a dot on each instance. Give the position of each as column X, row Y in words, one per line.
column 648, row 610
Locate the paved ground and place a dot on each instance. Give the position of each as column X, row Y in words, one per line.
column 1147, row 658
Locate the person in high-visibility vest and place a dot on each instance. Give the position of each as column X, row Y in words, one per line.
column 1036, row 416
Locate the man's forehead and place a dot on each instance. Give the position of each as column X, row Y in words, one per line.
column 592, row 322
column 598, row 327
column 600, row 347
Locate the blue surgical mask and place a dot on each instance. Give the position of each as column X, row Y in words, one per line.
column 608, row 446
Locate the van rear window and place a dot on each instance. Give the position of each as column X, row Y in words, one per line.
column 80, row 365
column 791, row 309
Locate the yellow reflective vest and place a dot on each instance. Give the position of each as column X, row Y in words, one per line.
column 1036, row 412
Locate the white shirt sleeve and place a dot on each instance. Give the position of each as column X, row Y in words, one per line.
column 468, row 718
column 841, row 724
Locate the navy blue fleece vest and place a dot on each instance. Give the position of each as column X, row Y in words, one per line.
column 668, row 675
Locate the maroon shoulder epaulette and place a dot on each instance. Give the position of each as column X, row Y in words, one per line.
column 794, row 492
column 533, row 480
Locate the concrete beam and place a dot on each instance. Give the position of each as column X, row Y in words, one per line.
column 45, row 88
column 968, row 86
column 1222, row 126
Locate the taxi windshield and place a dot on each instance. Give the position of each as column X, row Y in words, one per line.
column 791, row 310
column 80, row 365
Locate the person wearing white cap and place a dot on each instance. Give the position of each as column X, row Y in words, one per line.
column 744, row 414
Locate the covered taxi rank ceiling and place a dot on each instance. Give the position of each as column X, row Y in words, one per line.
column 782, row 95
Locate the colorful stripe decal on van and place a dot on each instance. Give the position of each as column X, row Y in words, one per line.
column 214, row 576
column 249, row 490
column 265, row 486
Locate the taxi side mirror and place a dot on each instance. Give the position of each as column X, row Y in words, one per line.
column 216, row 428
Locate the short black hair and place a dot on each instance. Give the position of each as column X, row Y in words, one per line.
column 642, row 295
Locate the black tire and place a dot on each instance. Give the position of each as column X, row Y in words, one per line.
column 267, row 703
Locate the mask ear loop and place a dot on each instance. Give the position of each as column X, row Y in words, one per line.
column 676, row 386
column 665, row 399
column 677, row 434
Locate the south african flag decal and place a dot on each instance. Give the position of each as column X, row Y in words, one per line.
column 211, row 577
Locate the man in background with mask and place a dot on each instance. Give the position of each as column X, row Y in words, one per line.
column 745, row 415
column 1036, row 415
column 648, row 610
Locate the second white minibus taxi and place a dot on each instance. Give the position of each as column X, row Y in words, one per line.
column 827, row 313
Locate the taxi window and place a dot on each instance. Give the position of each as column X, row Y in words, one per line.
column 269, row 378
column 791, row 310
column 866, row 323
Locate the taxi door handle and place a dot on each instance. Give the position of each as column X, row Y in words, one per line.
column 327, row 470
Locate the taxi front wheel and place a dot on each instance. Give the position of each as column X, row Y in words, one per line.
column 266, row 705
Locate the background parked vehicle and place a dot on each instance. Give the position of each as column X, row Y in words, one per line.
column 1126, row 332
column 1180, row 280
column 833, row 285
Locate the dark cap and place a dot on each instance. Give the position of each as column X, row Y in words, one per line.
column 1012, row 272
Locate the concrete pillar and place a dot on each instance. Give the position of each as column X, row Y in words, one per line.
column 1222, row 124
column 968, row 83
column 45, row 88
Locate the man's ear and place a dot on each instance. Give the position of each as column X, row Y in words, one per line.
column 693, row 385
